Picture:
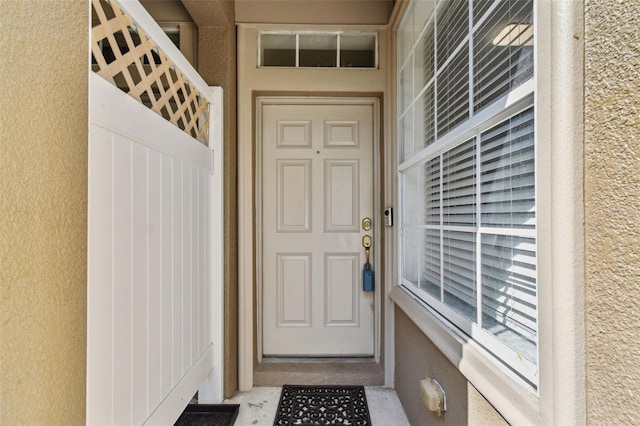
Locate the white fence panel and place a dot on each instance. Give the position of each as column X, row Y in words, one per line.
column 154, row 286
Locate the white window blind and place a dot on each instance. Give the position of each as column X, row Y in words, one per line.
column 459, row 185
column 453, row 92
column 467, row 177
column 507, row 178
column 452, row 27
column 503, row 51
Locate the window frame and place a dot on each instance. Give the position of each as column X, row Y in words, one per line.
column 500, row 109
column 338, row 35
column 558, row 117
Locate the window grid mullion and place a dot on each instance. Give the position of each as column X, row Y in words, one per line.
column 435, row 85
column 297, row 50
column 470, row 62
column 338, row 51
column 478, row 233
column 478, row 258
column 413, row 101
column 441, row 231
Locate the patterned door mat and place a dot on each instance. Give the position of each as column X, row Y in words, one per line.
column 322, row 405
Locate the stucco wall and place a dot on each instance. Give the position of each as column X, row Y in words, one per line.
column 43, row 211
column 217, row 65
column 416, row 358
column 612, row 210
column 324, row 12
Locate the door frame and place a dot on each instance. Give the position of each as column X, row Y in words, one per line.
column 260, row 103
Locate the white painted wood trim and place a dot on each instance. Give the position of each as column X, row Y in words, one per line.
column 559, row 133
column 378, row 227
column 212, row 390
column 248, row 267
column 390, row 233
column 179, row 397
column 258, row 223
column 245, row 255
column 378, row 222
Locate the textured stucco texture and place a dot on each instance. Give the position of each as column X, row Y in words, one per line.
column 612, row 211
column 43, row 211
column 416, row 358
column 217, row 65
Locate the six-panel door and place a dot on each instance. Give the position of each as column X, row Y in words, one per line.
column 317, row 183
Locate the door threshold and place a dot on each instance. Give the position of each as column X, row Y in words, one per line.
column 318, row 371
column 317, row 360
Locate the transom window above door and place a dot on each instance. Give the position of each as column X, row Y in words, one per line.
column 304, row 49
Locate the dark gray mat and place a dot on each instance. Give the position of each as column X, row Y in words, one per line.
column 322, row 405
column 209, row 415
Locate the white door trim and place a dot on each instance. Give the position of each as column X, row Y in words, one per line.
column 250, row 168
column 378, row 228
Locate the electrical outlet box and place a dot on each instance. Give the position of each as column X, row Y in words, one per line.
column 433, row 396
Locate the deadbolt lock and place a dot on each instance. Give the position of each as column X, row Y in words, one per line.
column 367, row 223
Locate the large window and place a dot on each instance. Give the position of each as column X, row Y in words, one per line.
column 467, row 171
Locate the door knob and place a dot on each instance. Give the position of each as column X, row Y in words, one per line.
column 366, row 243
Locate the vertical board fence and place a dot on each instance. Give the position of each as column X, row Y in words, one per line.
column 154, row 254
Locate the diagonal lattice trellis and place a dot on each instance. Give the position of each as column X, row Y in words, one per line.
column 125, row 56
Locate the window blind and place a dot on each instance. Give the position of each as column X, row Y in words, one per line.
column 452, row 26
column 453, row 92
column 459, row 185
column 509, row 294
column 507, row 173
column 480, row 7
column 431, row 192
column 428, row 119
column 503, row 51
column 427, row 55
column 459, row 272
column 430, row 278
column 468, row 239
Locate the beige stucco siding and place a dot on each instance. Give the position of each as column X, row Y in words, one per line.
column 324, row 12
column 43, row 211
column 417, row 358
column 612, row 211
column 217, row 65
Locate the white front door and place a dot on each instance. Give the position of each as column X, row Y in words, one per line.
column 317, row 186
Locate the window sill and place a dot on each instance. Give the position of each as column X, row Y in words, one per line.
column 500, row 387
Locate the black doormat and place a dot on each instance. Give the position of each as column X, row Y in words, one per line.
column 322, row 405
column 208, row 415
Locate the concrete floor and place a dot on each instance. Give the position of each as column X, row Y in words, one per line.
column 258, row 407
